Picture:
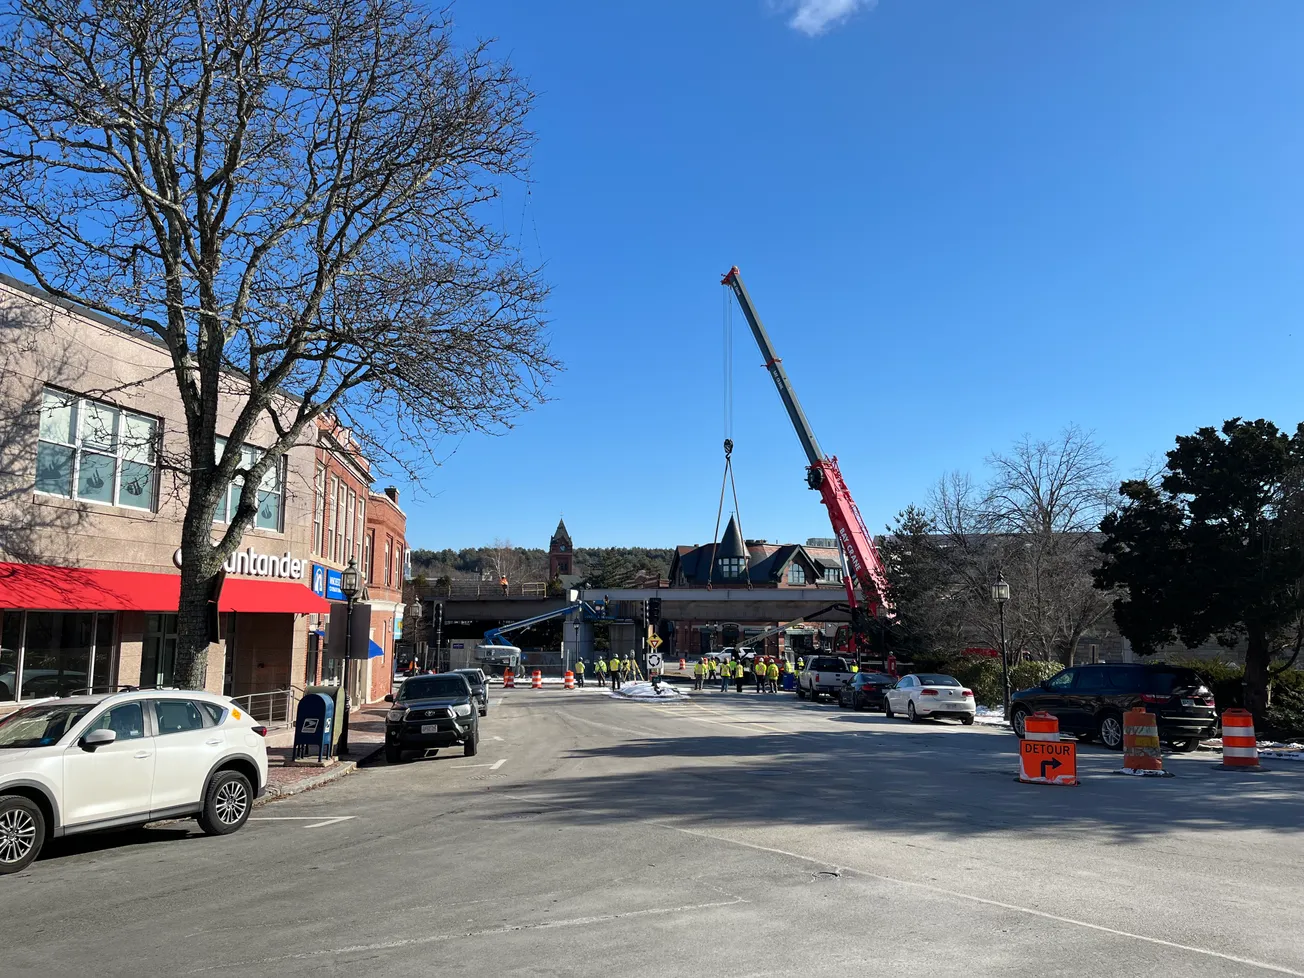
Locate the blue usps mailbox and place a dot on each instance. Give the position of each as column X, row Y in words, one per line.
column 314, row 726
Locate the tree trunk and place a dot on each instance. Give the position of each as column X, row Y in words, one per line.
column 1258, row 655
column 199, row 568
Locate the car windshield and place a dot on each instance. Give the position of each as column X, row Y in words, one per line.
column 433, row 687
column 936, row 679
column 875, row 678
column 472, row 675
column 40, row 726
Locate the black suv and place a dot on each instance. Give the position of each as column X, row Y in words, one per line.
column 865, row 691
column 432, row 712
column 479, row 686
column 1090, row 701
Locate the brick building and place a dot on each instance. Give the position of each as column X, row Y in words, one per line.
column 385, row 567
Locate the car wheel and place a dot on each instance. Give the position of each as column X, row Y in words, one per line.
column 472, row 744
column 842, row 703
column 801, row 693
column 967, row 721
column 1017, row 719
column 1111, row 731
column 910, row 711
column 22, row 833
column 393, row 755
column 1185, row 746
column 484, row 712
column 887, row 708
column 226, row 804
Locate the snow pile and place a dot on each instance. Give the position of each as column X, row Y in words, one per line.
column 648, row 692
column 991, row 715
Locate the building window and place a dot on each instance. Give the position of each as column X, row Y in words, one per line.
column 338, row 520
column 96, row 452
column 328, row 551
column 158, row 660
column 362, row 525
column 368, row 553
column 319, row 510
column 271, row 491
column 796, row 573
column 54, row 653
column 832, row 575
column 389, row 566
column 732, row 567
column 398, row 564
column 350, row 504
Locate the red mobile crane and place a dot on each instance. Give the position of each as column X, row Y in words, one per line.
column 822, row 473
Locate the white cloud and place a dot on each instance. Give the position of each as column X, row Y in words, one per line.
column 814, row 17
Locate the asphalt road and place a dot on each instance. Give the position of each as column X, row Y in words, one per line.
column 733, row 836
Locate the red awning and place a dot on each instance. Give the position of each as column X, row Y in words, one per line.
column 44, row 588
column 38, row 587
column 270, row 597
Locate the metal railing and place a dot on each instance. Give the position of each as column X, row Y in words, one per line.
column 273, row 706
column 486, row 589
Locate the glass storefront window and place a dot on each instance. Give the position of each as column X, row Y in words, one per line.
column 11, row 638
column 56, row 653
column 158, row 660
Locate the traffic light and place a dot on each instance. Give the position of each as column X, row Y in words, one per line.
column 653, row 610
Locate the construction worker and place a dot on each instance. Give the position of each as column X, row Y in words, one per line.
column 579, row 673
column 772, row 675
column 613, row 668
column 855, row 667
column 697, row 674
column 738, row 673
column 758, row 672
column 502, row 582
column 600, row 667
column 726, row 670
column 801, row 664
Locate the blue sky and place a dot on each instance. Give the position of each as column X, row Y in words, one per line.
column 961, row 222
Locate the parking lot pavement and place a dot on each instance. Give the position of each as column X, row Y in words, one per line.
column 746, row 836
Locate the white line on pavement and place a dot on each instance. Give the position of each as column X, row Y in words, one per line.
column 941, row 891
column 499, row 701
column 330, row 821
column 497, row 764
column 498, row 738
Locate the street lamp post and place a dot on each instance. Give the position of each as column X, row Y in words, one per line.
column 576, row 650
column 350, row 585
column 1001, row 594
column 415, row 608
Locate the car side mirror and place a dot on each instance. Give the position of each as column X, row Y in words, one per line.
column 389, row 697
column 98, row 738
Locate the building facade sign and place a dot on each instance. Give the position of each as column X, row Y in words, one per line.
column 259, row 565
column 326, row 583
column 398, row 623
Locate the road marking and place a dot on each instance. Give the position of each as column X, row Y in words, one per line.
column 467, row 767
column 497, row 764
column 500, row 701
column 330, row 821
column 490, row 932
column 498, row 738
column 939, row 890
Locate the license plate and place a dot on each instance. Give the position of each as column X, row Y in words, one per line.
column 430, row 728
column 1188, row 702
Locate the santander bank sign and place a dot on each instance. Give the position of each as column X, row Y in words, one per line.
column 254, row 564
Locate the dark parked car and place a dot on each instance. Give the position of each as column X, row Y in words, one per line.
column 1090, row 701
column 865, row 691
column 479, row 686
column 431, row 712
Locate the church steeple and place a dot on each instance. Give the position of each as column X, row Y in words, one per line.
column 560, row 552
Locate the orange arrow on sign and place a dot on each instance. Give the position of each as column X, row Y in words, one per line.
column 1048, row 762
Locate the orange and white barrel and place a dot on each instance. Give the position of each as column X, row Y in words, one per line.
column 1141, row 742
column 570, row 679
column 509, row 679
column 1041, row 726
column 536, row 680
column 1240, row 747
column 682, row 665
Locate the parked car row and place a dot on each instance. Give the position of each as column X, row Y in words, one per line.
column 431, row 712
column 1089, row 701
column 87, row 763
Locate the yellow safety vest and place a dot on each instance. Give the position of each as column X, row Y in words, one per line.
column 579, row 667
column 614, row 665
column 600, row 665
column 801, row 663
column 855, row 668
column 773, row 671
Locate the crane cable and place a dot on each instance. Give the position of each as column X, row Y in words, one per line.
column 728, row 479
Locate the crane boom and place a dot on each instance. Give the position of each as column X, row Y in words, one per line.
column 822, row 473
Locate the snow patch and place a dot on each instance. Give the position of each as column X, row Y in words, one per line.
column 648, row 692
column 991, row 716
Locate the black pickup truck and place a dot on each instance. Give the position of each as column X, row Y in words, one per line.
column 431, row 712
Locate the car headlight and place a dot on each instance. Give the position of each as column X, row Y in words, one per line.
column 462, row 710
column 397, row 714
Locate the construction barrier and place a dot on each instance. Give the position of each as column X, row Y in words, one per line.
column 1141, row 743
column 509, row 679
column 1240, row 747
column 570, row 679
column 682, row 665
column 536, row 680
column 1042, row 758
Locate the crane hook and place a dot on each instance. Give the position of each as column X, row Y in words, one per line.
column 728, row 447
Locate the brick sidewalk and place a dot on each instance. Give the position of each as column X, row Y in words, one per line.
column 366, row 736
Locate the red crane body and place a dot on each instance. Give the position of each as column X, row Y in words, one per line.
column 822, row 473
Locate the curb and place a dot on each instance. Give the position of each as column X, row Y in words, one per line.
column 332, row 773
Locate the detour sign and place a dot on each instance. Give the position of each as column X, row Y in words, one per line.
column 1048, row 762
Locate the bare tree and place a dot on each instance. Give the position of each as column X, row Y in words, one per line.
column 289, row 196
column 506, row 561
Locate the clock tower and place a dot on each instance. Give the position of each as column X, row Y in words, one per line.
column 560, row 552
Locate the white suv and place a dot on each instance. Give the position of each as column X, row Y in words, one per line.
column 86, row 763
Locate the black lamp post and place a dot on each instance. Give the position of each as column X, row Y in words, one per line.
column 576, row 625
column 415, row 609
column 1001, row 594
column 350, row 585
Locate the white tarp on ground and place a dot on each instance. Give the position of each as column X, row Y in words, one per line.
column 646, row 691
